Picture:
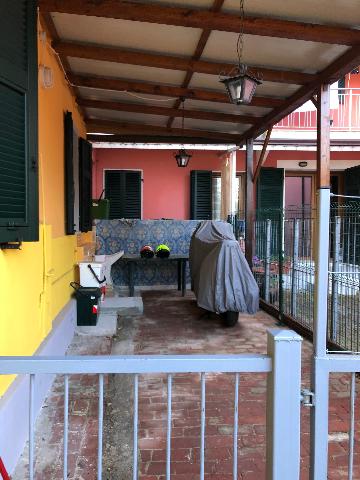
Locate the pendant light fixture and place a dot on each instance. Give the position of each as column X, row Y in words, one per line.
column 182, row 156
column 240, row 84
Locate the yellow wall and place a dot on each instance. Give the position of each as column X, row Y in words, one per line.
column 35, row 280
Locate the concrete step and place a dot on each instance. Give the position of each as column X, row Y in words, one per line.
column 123, row 306
column 106, row 326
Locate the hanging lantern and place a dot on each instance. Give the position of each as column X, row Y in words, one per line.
column 182, row 158
column 240, row 85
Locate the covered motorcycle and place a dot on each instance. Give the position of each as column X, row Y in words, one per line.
column 222, row 280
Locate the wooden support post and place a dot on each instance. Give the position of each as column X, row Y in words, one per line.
column 249, row 203
column 319, row 378
column 263, row 155
column 323, row 137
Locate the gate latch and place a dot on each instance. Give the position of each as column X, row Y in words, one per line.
column 307, row 398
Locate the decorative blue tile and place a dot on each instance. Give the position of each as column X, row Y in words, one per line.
column 131, row 235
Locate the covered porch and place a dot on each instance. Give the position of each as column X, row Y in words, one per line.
column 200, row 402
column 161, row 330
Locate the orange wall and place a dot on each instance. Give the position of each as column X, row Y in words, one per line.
column 35, row 280
column 53, row 102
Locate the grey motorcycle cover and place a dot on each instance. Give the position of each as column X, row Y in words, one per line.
column 221, row 277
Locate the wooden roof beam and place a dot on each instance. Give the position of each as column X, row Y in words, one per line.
column 204, row 19
column 121, row 55
column 125, row 128
column 165, row 111
column 136, row 138
column 122, row 85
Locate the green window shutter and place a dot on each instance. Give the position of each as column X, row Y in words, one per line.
column 69, row 174
column 123, row 190
column 351, row 248
column 200, row 195
column 114, row 188
column 85, row 185
column 352, row 181
column 19, row 205
column 132, row 195
column 270, row 189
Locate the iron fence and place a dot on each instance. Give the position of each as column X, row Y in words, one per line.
column 283, row 386
column 284, row 268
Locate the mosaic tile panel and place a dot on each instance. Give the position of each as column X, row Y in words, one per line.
column 131, row 235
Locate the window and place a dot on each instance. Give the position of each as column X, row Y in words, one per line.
column 123, row 190
column 19, row 206
column 78, row 180
column 216, row 196
column 341, row 90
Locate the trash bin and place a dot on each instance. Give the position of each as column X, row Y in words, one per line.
column 87, row 299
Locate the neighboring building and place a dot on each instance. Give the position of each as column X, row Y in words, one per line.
column 292, row 148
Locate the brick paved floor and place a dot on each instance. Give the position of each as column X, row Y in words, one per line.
column 83, row 409
column 173, row 325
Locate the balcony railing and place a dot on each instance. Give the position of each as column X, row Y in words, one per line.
column 344, row 113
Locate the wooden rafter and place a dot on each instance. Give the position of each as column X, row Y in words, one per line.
column 165, row 111
column 50, row 27
column 204, row 37
column 340, row 67
column 204, row 19
column 118, row 84
column 191, row 65
column 156, row 138
column 110, row 126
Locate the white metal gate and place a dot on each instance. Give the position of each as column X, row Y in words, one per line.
column 282, row 364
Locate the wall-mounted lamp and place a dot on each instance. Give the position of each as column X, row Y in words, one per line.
column 303, row 164
column 46, row 76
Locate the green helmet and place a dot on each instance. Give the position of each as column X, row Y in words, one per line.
column 162, row 251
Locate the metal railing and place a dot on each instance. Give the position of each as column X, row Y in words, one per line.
column 324, row 367
column 284, row 268
column 284, row 349
column 344, row 113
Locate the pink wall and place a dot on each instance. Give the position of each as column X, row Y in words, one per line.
column 275, row 155
column 166, row 187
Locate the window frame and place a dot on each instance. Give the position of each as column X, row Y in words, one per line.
column 141, row 182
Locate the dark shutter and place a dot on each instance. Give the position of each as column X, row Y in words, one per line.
column 85, row 185
column 19, row 205
column 200, row 195
column 123, row 190
column 270, row 189
column 132, row 195
column 350, row 229
column 114, row 192
column 69, row 174
column 352, row 181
